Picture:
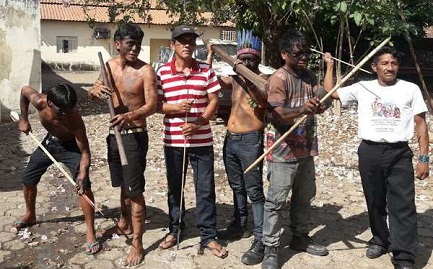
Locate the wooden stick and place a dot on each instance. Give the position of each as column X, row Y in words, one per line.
column 260, row 82
column 123, row 159
column 297, row 123
column 366, row 71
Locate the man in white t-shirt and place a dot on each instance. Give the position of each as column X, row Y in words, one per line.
column 388, row 111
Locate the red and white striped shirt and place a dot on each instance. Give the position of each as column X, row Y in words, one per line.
column 175, row 87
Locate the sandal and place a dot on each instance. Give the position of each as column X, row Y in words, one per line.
column 216, row 249
column 168, row 242
column 20, row 224
column 92, row 248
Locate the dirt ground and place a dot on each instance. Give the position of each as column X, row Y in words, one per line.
column 339, row 217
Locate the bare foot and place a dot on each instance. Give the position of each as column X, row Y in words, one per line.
column 135, row 257
column 116, row 229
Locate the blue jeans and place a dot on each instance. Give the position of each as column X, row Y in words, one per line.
column 298, row 176
column 240, row 151
column 202, row 163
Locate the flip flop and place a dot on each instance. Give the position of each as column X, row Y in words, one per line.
column 115, row 230
column 166, row 244
column 19, row 224
column 218, row 251
column 92, row 248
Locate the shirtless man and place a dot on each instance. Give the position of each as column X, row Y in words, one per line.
column 134, row 98
column 242, row 146
column 67, row 142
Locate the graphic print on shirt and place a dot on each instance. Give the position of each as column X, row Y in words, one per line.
column 386, row 115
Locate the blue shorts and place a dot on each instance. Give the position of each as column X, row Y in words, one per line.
column 67, row 153
column 131, row 176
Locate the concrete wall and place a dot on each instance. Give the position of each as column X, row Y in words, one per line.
column 20, row 57
column 88, row 46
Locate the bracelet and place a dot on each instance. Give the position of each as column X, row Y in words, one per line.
column 424, row 158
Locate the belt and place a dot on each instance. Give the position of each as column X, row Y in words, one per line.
column 129, row 131
column 51, row 140
column 401, row 143
column 238, row 136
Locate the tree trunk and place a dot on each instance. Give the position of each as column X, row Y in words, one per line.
column 272, row 32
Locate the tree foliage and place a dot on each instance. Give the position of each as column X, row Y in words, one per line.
column 339, row 24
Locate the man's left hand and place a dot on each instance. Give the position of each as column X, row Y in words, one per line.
column 122, row 120
column 79, row 187
column 422, row 171
column 189, row 129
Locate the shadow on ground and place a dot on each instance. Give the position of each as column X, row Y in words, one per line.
column 80, row 80
column 63, row 241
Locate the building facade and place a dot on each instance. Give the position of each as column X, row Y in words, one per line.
column 69, row 41
column 20, row 55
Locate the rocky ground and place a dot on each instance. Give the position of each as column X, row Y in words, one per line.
column 339, row 211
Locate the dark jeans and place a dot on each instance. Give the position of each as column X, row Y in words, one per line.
column 239, row 152
column 388, row 181
column 202, row 163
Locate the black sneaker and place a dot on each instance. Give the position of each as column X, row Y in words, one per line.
column 307, row 244
column 255, row 254
column 270, row 260
column 233, row 231
column 375, row 251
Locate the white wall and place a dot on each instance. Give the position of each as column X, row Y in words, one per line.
column 88, row 46
column 20, row 62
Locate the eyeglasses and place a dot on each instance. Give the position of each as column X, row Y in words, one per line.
column 186, row 40
column 300, row 54
column 59, row 111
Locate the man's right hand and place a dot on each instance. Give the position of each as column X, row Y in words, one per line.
column 327, row 58
column 185, row 106
column 99, row 91
column 312, row 106
column 24, row 126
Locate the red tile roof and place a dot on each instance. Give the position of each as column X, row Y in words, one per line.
column 55, row 10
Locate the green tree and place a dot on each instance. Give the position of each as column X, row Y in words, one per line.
column 342, row 24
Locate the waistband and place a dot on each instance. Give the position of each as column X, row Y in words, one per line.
column 130, row 131
column 396, row 144
column 240, row 135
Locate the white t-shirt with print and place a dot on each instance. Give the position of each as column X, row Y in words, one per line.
column 385, row 113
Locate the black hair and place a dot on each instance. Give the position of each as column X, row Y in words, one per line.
column 63, row 96
column 387, row 50
column 293, row 38
column 130, row 30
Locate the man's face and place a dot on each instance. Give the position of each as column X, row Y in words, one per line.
column 129, row 48
column 386, row 69
column 297, row 57
column 250, row 60
column 59, row 113
column 184, row 46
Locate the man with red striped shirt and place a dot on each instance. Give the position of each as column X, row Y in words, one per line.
column 187, row 95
